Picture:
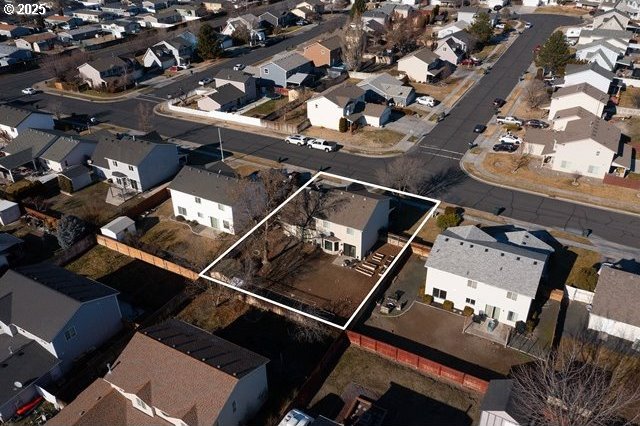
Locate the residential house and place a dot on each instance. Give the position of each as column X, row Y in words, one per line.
column 493, row 3
column 369, row 114
column 13, row 31
column 422, row 66
column 49, row 317
column 351, row 226
column 78, row 34
column 48, row 150
column 277, row 19
column 403, row 11
column 376, row 15
column 40, row 42
column 286, row 68
column 14, row 120
column 250, row 22
column 611, row 20
column 613, row 309
column 308, row 9
column 209, row 197
column 587, row 146
column 224, row 98
column 588, row 4
column 121, row 27
column 618, row 38
column 213, row 6
column 447, row 3
column 498, row 407
column 603, row 52
column 583, row 94
column 328, row 108
column 241, row 80
column 179, row 48
column 135, row 163
column 91, row 16
column 11, row 248
column 154, row 6
column 174, row 373
column 327, row 52
column 119, row 9
column 164, row 18
column 11, row 55
column 63, row 21
column 384, row 88
column 452, row 28
column 497, row 275
column 189, row 12
column 109, row 73
column 455, row 48
column 468, row 13
column 591, row 73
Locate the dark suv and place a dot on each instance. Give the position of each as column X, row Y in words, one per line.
column 505, row 147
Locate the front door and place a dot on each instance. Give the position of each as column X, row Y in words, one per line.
column 214, row 222
column 492, row 312
column 349, row 250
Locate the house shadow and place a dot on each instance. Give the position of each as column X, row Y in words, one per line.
column 206, row 154
column 439, row 183
column 38, row 248
column 410, row 408
column 329, row 406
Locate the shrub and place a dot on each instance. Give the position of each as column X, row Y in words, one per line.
column 342, row 125
column 467, row 311
column 427, row 298
column 180, row 218
column 22, row 189
column 65, row 184
column 448, row 305
column 70, row 229
column 531, row 324
column 587, row 279
column 445, row 221
column 450, row 210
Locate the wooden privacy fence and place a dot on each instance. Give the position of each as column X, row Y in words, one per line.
column 610, row 179
column 421, row 364
column 146, row 257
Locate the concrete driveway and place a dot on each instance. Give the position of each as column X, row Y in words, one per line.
column 410, row 125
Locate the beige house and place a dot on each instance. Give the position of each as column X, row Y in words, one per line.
column 581, row 144
column 326, row 109
column 583, row 95
column 422, row 66
column 108, row 73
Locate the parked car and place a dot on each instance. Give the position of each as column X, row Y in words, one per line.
column 322, row 144
column 470, row 62
column 183, row 67
column 505, row 147
column 509, row 119
column 499, row 102
column 296, row 418
column 238, row 67
column 501, row 26
column 302, row 22
column 205, row 81
column 426, row 100
column 510, row 139
column 528, row 25
column 29, row 91
column 497, row 7
column 538, row 124
column 480, row 128
column 537, row 49
column 299, row 140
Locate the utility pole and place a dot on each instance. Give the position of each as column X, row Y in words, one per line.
column 221, row 150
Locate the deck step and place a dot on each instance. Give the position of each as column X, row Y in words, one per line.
column 364, row 271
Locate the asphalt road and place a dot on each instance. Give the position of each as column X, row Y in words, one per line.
column 453, row 134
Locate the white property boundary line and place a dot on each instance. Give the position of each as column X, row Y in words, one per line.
column 317, row 176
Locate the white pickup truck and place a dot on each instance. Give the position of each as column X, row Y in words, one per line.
column 509, row 119
column 322, row 144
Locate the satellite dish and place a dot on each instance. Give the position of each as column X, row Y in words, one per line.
column 17, row 384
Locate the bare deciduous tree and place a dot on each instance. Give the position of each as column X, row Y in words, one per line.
column 307, row 330
column 536, row 93
column 354, row 43
column 63, row 67
column 402, row 34
column 405, row 173
column 585, row 382
column 144, row 113
column 520, row 161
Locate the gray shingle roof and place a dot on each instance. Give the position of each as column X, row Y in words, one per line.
column 107, row 63
column 426, row 55
column 289, row 60
column 331, row 43
column 18, row 159
column 35, row 140
column 226, row 93
column 593, row 66
column 599, row 130
column 387, row 85
column 12, row 116
column 61, row 147
column 42, row 298
column 343, row 94
column 469, row 252
column 126, row 150
column 233, row 75
column 351, row 208
column 617, row 296
column 585, row 88
column 207, row 184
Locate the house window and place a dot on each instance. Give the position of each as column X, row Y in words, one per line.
column 349, row 231
column 226, row 224
column 593, row 169
column 134, row 184
column 265, row 70
column 114, row 162
column 198, row 200
column 511, row 295
column 182, row 211
column 439, row 294
column 131, row 168
column 472, row 283
column 470, row 301
column 565, row 164
column 597, row 153
column 512, row 316
column 221, row 207
column 70, row 333
column 140, row 404
column 200, row 215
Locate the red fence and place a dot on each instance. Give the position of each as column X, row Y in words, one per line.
column 148, row 203
column 421, row 364
column 623, row 182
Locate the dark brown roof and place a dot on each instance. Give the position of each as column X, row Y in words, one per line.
column 331, row 43
column 426, row 55
column 584, row 88
column 352, row 208
column 617, row 296
column 342, row 95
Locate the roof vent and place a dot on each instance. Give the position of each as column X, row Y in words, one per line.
column 501, row 254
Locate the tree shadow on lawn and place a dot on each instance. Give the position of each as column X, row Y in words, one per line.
column 38, row 248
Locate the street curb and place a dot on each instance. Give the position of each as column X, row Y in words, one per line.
column 542, row 194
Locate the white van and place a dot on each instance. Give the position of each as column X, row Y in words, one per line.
column 427, row 101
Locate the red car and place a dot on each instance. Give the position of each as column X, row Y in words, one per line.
column 470, row 62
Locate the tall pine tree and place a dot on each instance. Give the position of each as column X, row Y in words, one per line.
column 481, row 28
column 358, row 8
column 554, row 55
column 208, row 44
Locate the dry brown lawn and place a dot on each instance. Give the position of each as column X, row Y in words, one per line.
column 562, row 10
column 366, row 137
column 529, row 178
column 629, row 97
column 212, row 313
column 438, row 90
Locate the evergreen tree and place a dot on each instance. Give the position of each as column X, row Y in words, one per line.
column 358, row 8
column 208, row 44
column 481, row 28
column 554, row 54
